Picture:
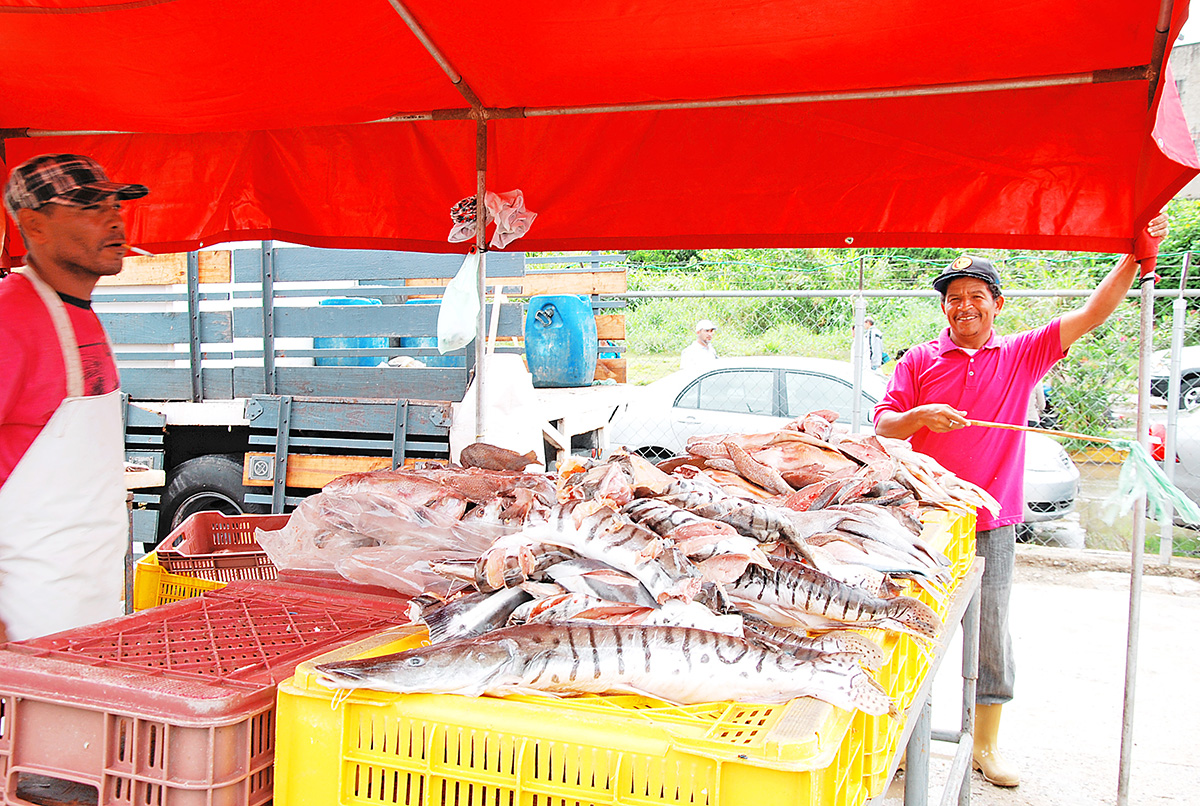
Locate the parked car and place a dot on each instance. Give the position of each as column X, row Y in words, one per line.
column 1189, row 376
column 756, row 394
column 1187, row 456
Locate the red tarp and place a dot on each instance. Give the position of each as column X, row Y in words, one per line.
column 253, row 119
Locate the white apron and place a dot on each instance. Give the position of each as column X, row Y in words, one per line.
column 63, row 520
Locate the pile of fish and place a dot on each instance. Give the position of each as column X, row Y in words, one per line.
column 737, row 572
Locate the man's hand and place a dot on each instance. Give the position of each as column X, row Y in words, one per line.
column 1145, row 247
column 937, row 417
column 940, row 417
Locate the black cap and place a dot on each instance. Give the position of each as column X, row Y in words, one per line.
column 979, row 268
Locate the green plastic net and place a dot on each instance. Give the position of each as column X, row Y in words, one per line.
column 1141, row 475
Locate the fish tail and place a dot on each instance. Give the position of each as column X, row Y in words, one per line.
column 867, row 695
column 915, row 615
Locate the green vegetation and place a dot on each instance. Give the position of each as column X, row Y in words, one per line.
column 1098, row 374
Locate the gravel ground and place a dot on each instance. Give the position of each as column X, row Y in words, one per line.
column 1070, row 627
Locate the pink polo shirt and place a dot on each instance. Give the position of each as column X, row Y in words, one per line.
column 995, row 385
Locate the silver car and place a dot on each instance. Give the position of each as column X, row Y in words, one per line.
column 756, row 394
column 1187, row 456
column 1189, row 376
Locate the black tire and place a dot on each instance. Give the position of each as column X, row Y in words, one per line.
column 204, row 484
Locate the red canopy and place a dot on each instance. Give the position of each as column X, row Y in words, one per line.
column 1013, row 123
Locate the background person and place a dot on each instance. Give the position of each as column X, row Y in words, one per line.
column 63, row 522
column 874, row 340
column 969, row 372
column 700, row 352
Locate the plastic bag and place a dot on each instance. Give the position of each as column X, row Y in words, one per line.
column 457, row 325
column 513, row 417
column 511, row 217
column 330, row 527
column 1141, row 475
column 506, row 209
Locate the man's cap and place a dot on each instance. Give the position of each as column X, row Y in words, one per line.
column 66, row 179
column 979, row 268
column 705, row 324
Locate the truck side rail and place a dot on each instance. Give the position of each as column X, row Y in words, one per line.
column 207, row 325
column 302, row 443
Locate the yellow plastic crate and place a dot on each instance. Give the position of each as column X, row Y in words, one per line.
column 442, row 750
column 154, row 585
column 908, row 659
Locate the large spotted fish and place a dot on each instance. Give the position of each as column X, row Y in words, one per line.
column 675, row 664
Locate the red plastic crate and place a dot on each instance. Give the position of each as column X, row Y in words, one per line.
column 221, row 548
column 174, row 706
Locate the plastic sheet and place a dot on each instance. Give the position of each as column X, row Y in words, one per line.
column 350, row 532
column 1141, row 475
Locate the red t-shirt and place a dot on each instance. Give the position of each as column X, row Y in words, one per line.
column 33, row 378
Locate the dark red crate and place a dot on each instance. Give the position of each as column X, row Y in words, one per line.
column 173, row 706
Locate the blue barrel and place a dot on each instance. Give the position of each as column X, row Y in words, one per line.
column 357, row 361
column 560, row 340
column 436, row 360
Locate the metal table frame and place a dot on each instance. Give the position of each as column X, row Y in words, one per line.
column 918, row 732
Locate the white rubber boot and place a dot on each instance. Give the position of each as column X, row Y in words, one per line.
column 986, row 757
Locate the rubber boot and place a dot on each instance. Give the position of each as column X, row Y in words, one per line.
column 986, row 756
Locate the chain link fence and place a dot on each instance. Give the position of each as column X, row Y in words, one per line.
column 769, row 312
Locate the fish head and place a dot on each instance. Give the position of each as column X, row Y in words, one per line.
column 467, row 667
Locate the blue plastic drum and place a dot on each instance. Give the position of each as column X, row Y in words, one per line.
column 363, row 343
column 560, row 340
column 435, row 360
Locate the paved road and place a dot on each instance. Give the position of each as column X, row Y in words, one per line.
column 1070, row 621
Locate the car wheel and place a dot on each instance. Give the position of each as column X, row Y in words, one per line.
column 1024, row 532
column 204, row 484
column 1189, row 394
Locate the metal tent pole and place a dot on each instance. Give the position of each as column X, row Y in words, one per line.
column 858, row 351
column 1178, row 321
column 480, row 228
column 1139, row 540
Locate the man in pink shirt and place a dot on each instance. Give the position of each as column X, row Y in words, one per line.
column 971, row 373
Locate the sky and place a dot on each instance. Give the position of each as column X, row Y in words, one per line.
column 1191, row 29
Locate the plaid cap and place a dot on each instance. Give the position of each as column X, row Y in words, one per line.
column 980, row 268
column 67, row 179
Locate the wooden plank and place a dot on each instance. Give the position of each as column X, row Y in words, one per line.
column 175, row 383
column 371, row 382
column 610, row 326
column 601, row 282
column 310, row 264
column 170, row 269
column 166, row 327
column 426, row 418
column 315, row 471
column 363, row 321
column 610, row 369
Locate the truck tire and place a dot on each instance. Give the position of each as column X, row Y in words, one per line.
column 205, row 483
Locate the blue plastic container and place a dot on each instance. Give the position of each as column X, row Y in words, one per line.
column 436, row 360
column 560, row 340
column 357, row 361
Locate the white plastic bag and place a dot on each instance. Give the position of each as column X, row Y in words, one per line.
column 513, row 416
column 460, row 307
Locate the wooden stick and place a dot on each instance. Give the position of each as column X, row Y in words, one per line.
column 1068, row 434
